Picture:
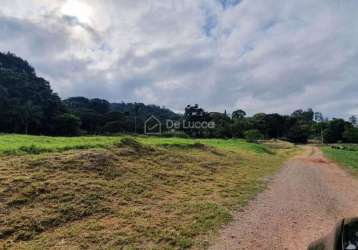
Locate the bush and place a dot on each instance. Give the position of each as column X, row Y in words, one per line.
column 253, row 135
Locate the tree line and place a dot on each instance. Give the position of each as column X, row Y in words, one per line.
column 28, row 105
column 299, row 127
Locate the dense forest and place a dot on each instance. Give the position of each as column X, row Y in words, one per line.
column 29, row 106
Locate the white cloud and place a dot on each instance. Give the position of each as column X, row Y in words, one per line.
column 258, row 55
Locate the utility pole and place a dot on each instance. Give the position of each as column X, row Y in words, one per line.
column 318, row 118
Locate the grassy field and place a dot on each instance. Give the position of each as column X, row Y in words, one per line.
column 20, row 144
column 348, row 158
column 152, row 194
column 23, row 144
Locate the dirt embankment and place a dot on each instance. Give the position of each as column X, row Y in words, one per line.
column 301, row 204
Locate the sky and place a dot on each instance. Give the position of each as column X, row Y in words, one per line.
column 256, row 55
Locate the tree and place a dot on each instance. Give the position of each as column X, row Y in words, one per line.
column 223, row 128
column 97, row 114
column 27, row 102
column 306, row 116
column 136, row 111
column 99, row 105
column 115, row 127
column 239, row 126
column 68, row 124
column 353, row 120
column 92, row 121
column 238, row 114
column 318, row 117
column 350, row 135
column 258, row 121
column 298, row 134
column 30, row 114
column 15, row 64
column 253, row 135
column 334, row 132
column 116, row 122
column 76, row 103
column 194, row 114
column 91, row 112
column 275, row 125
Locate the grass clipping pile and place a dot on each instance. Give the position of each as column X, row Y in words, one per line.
column 129, row 196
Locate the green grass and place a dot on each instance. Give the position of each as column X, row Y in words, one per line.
column 345, row 157
column 162, row 193
column 24, row 144
column 229, row 144
column 19, row 144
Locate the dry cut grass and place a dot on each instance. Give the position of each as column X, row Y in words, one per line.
column 130, row 196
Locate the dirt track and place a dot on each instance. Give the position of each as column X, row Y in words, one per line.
column 302, row 203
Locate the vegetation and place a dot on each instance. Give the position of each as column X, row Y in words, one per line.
column 131, row 195
column 24, row 144
column 29, row 106
column 345, row 155
column 253, row 135
column 27, row 103
column 101, row 117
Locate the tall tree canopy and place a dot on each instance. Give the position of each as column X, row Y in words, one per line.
column 28, row 104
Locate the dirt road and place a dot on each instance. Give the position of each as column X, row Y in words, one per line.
column 302, row 203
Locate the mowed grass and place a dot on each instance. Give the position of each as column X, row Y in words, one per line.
column 226, row 144
column 20, row 144
column 130, row 195
column 24, row 144
column 348, row 158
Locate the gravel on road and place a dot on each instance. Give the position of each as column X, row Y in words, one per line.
column 301, row 204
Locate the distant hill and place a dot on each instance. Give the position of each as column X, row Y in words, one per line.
column 27, row 102
column 145, row 111
column 100, row 116
column 10, row 62
column 29, row 106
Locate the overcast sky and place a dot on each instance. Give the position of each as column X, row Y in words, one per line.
column 257, row 55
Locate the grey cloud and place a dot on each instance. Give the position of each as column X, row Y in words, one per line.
column 31, row 39
column 262, row 56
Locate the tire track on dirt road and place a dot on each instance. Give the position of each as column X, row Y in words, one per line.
column 301, row 204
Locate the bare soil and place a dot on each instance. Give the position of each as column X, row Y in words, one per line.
column 301, row 204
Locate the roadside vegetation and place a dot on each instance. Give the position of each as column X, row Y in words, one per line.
column 346, row 155
column 127, row 194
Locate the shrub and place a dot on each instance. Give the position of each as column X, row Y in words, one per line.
column 253, row 135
